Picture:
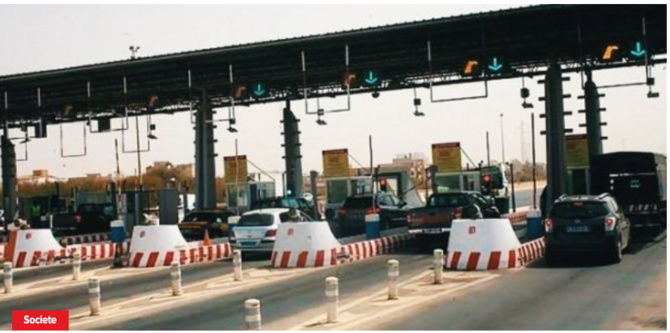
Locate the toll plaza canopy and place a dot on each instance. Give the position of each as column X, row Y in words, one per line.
column 475, row 47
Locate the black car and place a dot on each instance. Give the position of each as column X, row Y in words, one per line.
column 196, row 222
column 586, row 223
column 392, row 212
column 286, row 202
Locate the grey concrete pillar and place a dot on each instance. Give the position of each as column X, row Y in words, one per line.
column 592, row 109
column 292, row 155
column 8, row 178
column 205, row 172
column 557, row 172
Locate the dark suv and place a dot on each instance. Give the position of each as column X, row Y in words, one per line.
column 586, row 223
column 351, row 216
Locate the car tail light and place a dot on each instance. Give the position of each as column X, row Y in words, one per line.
column 341, row 211
column 271, row 233
column 77, row 219
column 372, row 210
column 458, row 213
column 548, row 225
column 610, row 222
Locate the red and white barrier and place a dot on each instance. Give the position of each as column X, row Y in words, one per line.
column 32, row 247
column 90, row 252
column 82, row 239
column 304, row 244
column 150, row 245
column 315, row 246
column 481, row 244
column 531, row 251
column 516, row 218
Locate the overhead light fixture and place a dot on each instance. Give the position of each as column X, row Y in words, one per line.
column 417, row 102
column 525, row 93
column 231, row 129
column 152, row 136
column 321, row 122
column 375, row 94
column 320, row 112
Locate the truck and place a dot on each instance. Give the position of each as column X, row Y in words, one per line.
column 432, row 224
column 89, row 218
column 638, row 182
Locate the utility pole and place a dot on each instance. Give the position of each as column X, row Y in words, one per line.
column 488, row 150
column 502, row 138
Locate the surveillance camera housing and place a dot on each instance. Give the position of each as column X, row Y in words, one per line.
column 375, row 94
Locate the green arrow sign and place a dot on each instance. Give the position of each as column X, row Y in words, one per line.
column 495, row 66
column 638, row 51
column 371, row 78
column 259, row 90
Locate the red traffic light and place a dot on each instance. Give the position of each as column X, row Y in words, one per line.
column 487, row 178
column 382, row 182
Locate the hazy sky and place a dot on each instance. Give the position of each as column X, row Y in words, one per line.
column 48, row 37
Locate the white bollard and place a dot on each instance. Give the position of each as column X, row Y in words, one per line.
column 394, row 275
column 94, row 296
column 332, row 296
column 253, row 314
column 8, row 276
column 237, row 265
column 76, row 265
column 438, row 265
column 175, row 275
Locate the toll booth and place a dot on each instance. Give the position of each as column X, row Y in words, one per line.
column 458, row 181
column 339, row 188
column 579, row 179
column 247, row 194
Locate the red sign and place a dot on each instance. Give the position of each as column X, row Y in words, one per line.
column 57, row 320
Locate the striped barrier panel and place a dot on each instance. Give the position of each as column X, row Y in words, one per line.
column 342, row 254
column 191, row 255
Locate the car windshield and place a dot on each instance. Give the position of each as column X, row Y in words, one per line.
column 358, row 202
column 266, row 204
column 256, row 220
column 579, row 209
column 201, row 216
column 448, row 200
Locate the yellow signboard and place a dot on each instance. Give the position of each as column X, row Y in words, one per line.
column 235, row 169
column 336, row 163
column 577, row 150
column 447, row 156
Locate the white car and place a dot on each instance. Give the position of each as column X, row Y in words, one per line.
column 256, row 230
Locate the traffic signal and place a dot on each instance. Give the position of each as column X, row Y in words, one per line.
column 471, row 68
column 496, row 65
column 371, row 78
column 383, row 184
column 486, row 184
column 258, row 90
column 611, row 53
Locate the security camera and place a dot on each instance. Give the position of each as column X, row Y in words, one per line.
column 375, row 94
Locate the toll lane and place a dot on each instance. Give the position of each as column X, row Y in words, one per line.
column 582, row 294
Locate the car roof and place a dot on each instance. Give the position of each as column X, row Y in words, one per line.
column 273, row 211
column 583, row 197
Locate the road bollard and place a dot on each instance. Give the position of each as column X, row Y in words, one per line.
column 94, row 296
column 253, row 316
column 237, row 265
column 394, row 275
column 76, row 266
column 332, row 296
column 438, row 265
column 175, row 275
column 8, row 276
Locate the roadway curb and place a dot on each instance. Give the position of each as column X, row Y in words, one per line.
column 524, row 255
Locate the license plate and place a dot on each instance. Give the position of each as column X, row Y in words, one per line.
column 433, row 231
column 577, row 228
column 248, row 244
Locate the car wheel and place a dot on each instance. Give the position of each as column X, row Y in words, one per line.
column 617, row 252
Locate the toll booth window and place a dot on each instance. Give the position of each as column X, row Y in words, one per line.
column 448, row 183
column 337, row 191
column 634, row 183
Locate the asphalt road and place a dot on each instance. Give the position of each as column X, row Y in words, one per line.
column 29, row 275
column 113, row 291
column 279, row 301
column 581, row 294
